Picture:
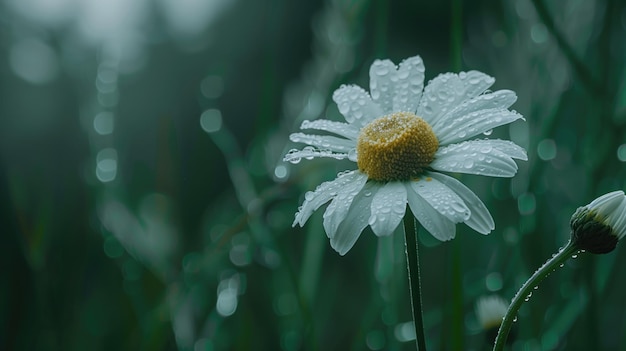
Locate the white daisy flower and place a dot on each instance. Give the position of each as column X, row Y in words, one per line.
column 598, row 227
column 401, row 137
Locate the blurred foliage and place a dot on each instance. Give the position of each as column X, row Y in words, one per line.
column 146, row 206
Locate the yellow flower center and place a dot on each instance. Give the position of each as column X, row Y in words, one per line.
column 396, row 147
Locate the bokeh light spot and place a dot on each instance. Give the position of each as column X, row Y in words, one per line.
column 280, row 172
column 33, row 61
column 539, row 33
column 621, row 153
column 285, row 304
column 404, row 331
column 211, row 120
column 106, row 165
column 493, row 281
column 104, row 123
column 212, row 87
column 499, row 39
column 546, row 149
column 227, row 302
column 375, row 340
column 526, row 204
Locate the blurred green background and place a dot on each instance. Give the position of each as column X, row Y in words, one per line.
column 146, row 206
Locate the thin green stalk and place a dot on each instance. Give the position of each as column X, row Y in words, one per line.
column 412, row 259
column 526, row 289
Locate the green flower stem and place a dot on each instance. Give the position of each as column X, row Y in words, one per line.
column 522, row 295
column 412, row 259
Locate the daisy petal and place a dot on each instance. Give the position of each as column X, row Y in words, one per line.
column 449, row 90
column 355, row 105
column 355, row 221
column 439, row 226
column 475, row 83
column 382, row 84
column 322, row 194
column 501, row 99
column 442, row 199
column 343, row 129
column 619, row 225
column 506, row 146
column 473, row 124
column 309, row 153
column 480, row 157
column 326, row 142
column 409, row 86
column 388, row 207
column 338, row 209
column 480, row 219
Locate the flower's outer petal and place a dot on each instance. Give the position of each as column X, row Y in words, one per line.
column 355, row 221
column 439, row 226
column 618, row 219
column 408, row 88
column 473, row 124
column 347, row 130
column 482, row 157
column 476, row 116
column 475, row 83
column 338, row 209
column 309, row 153
column 441, row 198
column 383, row 76
column 607, row 203
column 506, row 146
column 388, row 207
column 480, row 219
column 499, row 100
column 324, row 193
column 449, row 90
column 324, row 142
column 355, row 105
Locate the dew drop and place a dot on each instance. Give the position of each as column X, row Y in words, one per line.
column 488, row 132
column 381, row 69
column 372, row 220
column 352, row 155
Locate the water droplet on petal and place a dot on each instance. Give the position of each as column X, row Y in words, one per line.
column 352, row 155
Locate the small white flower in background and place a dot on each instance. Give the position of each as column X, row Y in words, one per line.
column 401, row 136
column 490, row 310
column 597, row 227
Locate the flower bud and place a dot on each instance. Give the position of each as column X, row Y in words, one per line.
column 597, row 227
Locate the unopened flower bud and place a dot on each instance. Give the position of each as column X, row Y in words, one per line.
column 597, row 227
